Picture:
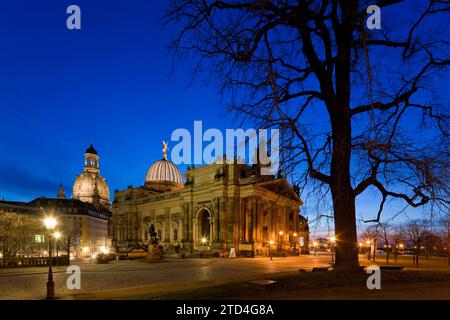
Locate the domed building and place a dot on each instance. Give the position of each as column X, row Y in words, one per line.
column 215, row 207
column 90, row 186
column 163, row 175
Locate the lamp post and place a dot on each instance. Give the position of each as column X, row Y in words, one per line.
column 50, row 224
column 315, row 247
column 270, row 249
column 333, row 242
column 295, row 244
column 368, row 242
column 57, row 236
column 281, row 240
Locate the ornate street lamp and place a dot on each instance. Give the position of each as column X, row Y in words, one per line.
column 50, row 224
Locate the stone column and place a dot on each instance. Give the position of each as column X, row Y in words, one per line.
column 211, row 228
column 230, row 213
column 185, row 221
column 167, row 225
column 195, row 232
column 243, row 219
column 190, row 220
column 253, row 216
column 216, row 205
column 223, row 220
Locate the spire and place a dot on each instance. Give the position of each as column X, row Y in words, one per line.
column 61, row 194
column 91, row 149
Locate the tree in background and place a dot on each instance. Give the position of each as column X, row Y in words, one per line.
column 445, row 234
column 385, row 233
column 285, row 63
column 372, row 234
column 398, row 239
column 17, row 232
column 416, row 231
column 68, row 241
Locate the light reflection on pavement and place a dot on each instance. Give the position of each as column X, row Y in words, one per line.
column 30, row 283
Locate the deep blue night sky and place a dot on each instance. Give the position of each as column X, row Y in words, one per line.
column 110, row 83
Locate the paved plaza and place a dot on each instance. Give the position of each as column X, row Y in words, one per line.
column 124, row 278
column 30, row 283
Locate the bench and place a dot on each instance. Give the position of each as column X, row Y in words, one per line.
column 320, row 269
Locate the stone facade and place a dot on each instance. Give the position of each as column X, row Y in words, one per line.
column 219, row 207
column 88, row 226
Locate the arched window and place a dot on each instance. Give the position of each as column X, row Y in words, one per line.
column 175, row 234
column 204, row 224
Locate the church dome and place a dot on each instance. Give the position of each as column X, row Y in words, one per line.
column 164, row 175
column 164, row 172
column 88, row 185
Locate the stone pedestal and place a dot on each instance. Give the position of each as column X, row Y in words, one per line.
column 154, row 254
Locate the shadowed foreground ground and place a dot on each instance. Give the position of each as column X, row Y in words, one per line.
column 229, row 279
column 395, row 285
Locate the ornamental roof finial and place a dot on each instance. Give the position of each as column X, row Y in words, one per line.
column 164, row 150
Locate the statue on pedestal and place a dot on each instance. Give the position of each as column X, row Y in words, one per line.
column 154, row 254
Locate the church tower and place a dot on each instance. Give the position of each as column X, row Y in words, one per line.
column 61, row 193
column 91, row 160
column 90, row 186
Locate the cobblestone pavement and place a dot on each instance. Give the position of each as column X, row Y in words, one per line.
column 30, row 283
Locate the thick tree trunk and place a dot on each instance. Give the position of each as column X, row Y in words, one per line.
column 345, row 230
column 343, row 197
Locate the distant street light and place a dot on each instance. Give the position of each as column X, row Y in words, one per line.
column 333, row 242
column 57, row 236
column 368, row 242
column 281, row 239
column 50, row 224
column 295, row 244
column 270, row 249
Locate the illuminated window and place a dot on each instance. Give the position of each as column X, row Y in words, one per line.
column 39, row 238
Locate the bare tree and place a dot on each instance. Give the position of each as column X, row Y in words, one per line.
column 372, row 234
column 398, row 237
column 445, row 234
column 68, row 241
column 385, row 232
column 430, row 243
column 417, row 230
column 283, row 63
